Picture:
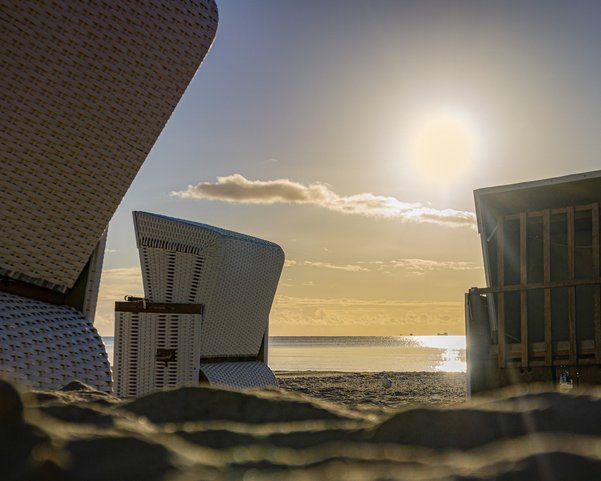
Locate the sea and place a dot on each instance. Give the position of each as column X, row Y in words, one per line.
column 440, row 353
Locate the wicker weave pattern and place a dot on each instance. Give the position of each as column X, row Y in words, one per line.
column 239, row 374
column 140, row 337
column 234, row 276
column 87, row 88
column 46, row 346
column 93, row 282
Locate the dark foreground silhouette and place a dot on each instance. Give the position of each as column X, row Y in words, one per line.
column 200, row 433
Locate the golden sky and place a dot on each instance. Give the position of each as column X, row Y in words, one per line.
column 353, row 134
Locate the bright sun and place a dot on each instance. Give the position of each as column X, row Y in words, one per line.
column 442, row 147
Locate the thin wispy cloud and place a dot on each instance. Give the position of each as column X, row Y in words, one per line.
column 297, row 314
column 327, row 265
column 352, row 303
column 421, row 266
column 300, row 315
column 416, row 267
column 237, row 188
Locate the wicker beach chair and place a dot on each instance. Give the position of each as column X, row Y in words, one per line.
column 208, row 293
column 86, row 89
column 46, row 346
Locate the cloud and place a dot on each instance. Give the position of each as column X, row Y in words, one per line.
column 350, row 303
column 421, row 266
column 326, row 265
column 344, row 316
column 310, row 316
column 236, row 188
column 413, row 266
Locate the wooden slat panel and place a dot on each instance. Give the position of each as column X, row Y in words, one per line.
column 523, row 249
column 540, row 285
column 557, row 362
column 570, row 230
column 597, row 321
column 572, row 323
column 501, row 336
column 524, row 326
column 536, row 213
column 571, row 290
column 597, row 289
column 501, row 296
column 547, row 292
column 548, row 327
column 559, row 210
column 586, row 348
column 158, row 307
column 523, row 282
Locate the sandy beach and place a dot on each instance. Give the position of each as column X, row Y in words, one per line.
column 201, row 433
column 367, row 390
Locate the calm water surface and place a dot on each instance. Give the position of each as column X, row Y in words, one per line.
column 357, row 353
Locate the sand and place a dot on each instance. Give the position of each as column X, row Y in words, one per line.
column 201, row 433
column 367, row 390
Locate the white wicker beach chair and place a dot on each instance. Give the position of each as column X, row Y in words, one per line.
column 208, row 296
column 86, row 89
column 66, row 348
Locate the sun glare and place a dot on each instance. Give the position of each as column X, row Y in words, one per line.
column 442, row 147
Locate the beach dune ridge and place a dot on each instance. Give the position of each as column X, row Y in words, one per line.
column 191, row 433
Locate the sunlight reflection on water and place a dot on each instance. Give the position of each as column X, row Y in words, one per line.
column 368, row 354
column 453, row 360
column 362, row 354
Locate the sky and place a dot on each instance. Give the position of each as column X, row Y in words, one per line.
column 353, row 133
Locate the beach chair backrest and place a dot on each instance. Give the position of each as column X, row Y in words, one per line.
column 234, row 276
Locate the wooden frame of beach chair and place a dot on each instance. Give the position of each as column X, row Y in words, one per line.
column 157, row 346
column 231, row 275
column 539, row 318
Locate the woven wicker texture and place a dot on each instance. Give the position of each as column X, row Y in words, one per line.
column 234, row 276
column 47, row 346
column 90, row 298
column 239, row 374
column 155, row 351
column 86, row 89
